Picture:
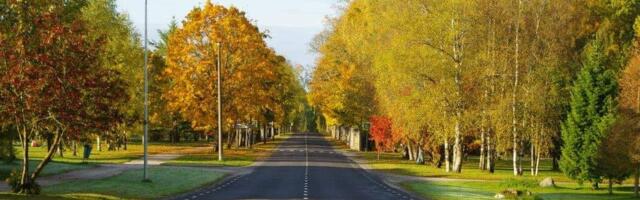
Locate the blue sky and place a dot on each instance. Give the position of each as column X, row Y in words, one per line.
column 291, row 23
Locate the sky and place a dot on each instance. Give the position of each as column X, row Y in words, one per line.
column 292, row 24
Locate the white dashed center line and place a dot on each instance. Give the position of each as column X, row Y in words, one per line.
column 306, row 169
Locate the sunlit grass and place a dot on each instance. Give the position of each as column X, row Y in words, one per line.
column 393, row 163
column 454, row 190
column 165, row 181
column 70, row 162
column 232, row 157
column 51, row 168
column 474, row 183
column 134, row 151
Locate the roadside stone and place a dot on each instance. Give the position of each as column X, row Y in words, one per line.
column 499, row 196
column 547, row 182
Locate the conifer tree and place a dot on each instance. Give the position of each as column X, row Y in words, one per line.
column 593, row 111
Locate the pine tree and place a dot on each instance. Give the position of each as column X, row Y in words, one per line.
column 593, row 111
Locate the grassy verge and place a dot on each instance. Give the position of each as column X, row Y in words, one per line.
column 393, row 163
column 134, row 151
column 232, row 157
column 473, row 183
column 51, row 169
column 58, row 197
column 166, row 181
column 454, row 190
column 69, row 162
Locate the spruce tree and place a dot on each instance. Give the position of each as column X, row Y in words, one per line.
column 593, row 111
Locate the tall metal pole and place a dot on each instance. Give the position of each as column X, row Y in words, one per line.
column 219, row 105
column 146, row 94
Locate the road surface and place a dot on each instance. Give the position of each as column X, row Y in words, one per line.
column 305, row 166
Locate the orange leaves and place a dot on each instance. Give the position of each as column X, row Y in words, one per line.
column 381, row 132
column 246, row 62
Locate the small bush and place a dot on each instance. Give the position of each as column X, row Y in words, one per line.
column 521, row 184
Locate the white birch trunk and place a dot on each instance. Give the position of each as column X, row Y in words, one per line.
column 514, row 124
column 447, row 161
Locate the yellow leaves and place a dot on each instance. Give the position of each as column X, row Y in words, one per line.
column 249, row 67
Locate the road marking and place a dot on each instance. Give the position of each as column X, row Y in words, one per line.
column 306, row 168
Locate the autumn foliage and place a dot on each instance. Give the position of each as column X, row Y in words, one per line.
column 380, row 131
column 51, row 80
column 258, row 86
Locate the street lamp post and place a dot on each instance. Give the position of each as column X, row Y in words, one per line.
column 146, row 96
column 219, row 106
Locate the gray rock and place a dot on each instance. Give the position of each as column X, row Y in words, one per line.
column 547, row 182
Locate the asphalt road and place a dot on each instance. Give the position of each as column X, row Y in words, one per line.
column 305, row 166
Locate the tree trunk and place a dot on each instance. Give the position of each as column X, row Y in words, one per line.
column 49, row 138
column 75, row 148
column 60, row 148
column 447, row 161
column 238, row 135
column 532, row 158
column 229, row 139
column 272, row 133
column 514, row 95
column 520, row 156
column 490, row 156
column 457, row 149
column 636, row 182
column 24, row 179
column 125, row 141
column 98, row 143
column 610, row 186
column 482, row 151
column 410, row 150
column 263, row 135
column 248, row 137
column 47, row 158
column 537, row 162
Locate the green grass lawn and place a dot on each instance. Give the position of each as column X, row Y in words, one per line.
column 51, row 168
column 166, row 181
column 69, row 162
column 232, row 157
column 134, row 151
column 454, row 190
column 393, row 163
column 57, row 197
column 476, row 184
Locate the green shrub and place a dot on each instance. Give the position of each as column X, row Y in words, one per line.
column 520, row 184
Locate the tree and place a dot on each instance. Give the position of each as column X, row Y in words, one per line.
column 254, row 77
column 614, row 157
column 593, row 111
column 380, row 132
column 51, row 78
column 122, row 51
column 630, row 101
column 160, row 115
column 342, row 84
